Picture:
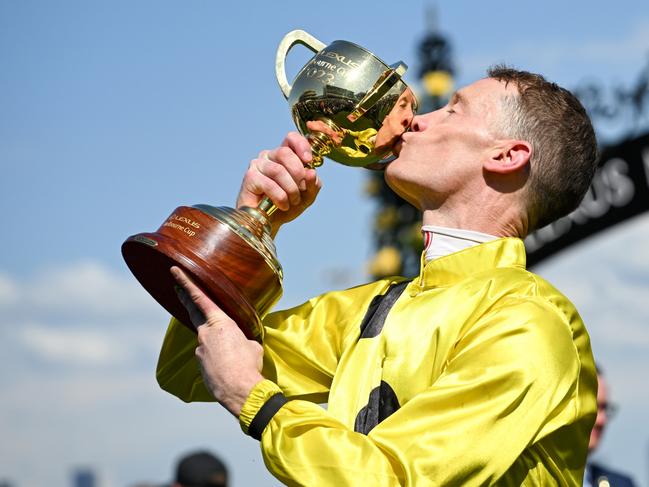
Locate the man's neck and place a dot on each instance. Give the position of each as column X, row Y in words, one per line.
column 478, row 220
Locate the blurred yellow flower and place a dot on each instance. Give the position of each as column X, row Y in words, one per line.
column 438, row 83
column 373, row 186
column 387, row 219
column 386, row 262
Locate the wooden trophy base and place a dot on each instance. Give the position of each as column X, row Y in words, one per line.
column 227, row 252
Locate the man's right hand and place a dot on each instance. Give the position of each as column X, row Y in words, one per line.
column 280, row 174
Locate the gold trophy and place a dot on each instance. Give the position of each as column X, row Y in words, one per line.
column 353, row 108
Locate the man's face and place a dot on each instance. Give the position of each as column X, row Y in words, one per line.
column 396, row 122
column 602, row 416
column 442, row 155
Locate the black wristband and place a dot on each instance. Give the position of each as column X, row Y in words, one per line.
column 265, row 414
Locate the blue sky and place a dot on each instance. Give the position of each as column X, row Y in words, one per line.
column 114, row 113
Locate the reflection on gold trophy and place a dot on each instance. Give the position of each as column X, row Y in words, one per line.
column 353, row 108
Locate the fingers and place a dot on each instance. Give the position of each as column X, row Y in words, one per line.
column 201, row 309
column 299, row 145
column 313, row 186
column 284, row 171
column 279, row 174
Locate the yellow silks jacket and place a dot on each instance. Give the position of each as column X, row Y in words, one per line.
column 481, row 374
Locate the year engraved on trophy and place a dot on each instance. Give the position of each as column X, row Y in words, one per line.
column 321, row 75
column 325, row 71
column 172, row 224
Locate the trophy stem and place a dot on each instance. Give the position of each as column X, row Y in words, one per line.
column 321, row 145
column 266, row 205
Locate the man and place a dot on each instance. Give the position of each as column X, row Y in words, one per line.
column 598, row 475
column 476, row 372
column 200, row 469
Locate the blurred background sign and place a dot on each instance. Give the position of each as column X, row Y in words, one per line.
column 620, row 191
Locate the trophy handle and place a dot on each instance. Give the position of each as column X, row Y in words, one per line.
column 382, row 85
column 287, row 43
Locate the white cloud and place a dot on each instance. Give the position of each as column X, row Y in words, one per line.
column 88, row 287
column 79, row 315
column 8, row 291
column 73, row 346
column 77, row 292
column 73, row 392
column 616, row 330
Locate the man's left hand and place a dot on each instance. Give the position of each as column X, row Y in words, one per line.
column 230, row 363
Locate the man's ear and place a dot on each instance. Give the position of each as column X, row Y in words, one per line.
column 508, row 157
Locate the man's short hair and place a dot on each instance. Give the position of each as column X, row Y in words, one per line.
column 564, row 147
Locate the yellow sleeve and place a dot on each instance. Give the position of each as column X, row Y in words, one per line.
column 512, row 380
column 177, row 371
column 302, row 346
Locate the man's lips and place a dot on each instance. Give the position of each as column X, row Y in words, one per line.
column 396, row 149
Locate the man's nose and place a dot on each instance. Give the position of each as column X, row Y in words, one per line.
column 418, row 123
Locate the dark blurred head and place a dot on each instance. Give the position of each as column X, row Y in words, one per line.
column 201, row 469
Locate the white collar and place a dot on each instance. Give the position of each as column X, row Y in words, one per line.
column 441, row 241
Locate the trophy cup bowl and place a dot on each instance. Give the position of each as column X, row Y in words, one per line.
column 352, row 107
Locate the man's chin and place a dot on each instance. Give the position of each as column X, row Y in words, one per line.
column 390, row 174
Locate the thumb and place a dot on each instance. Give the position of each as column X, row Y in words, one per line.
column 201, row 308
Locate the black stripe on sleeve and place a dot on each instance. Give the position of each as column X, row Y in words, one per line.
column 265, row 414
